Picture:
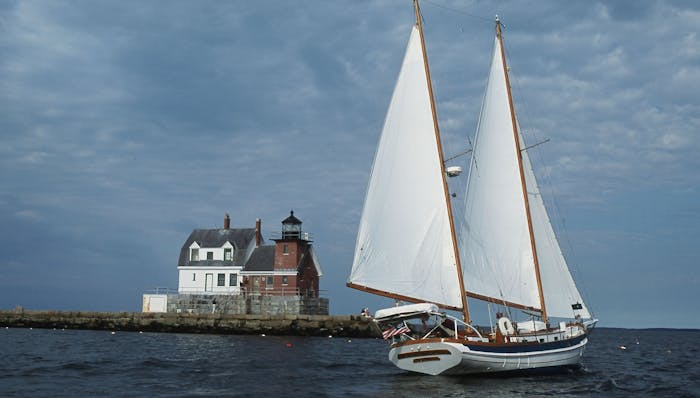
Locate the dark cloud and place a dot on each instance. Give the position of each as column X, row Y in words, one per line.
column 124, row 126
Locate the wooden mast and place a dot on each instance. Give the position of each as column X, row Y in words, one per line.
column 522, row 173
column 462, row 294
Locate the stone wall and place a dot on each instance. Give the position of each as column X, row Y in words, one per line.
column 242, row 304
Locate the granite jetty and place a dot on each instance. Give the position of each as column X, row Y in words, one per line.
column 283, row 325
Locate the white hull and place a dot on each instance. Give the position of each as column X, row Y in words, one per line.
column 449, row 356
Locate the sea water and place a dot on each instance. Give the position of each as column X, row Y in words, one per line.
column 76, row 363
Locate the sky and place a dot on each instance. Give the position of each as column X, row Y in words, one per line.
column 126, row 125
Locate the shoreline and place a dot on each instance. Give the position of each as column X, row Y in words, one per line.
column 281, row 325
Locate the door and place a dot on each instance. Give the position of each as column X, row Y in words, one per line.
column 208, row 282
column 256, row 285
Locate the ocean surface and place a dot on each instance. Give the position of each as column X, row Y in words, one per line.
column 77, row 363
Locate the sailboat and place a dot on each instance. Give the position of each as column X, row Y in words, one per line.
column 506, row 254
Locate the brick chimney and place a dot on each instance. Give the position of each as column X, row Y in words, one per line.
column 258, row 234
column 227, row 222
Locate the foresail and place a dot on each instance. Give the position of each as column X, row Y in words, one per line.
column 496, row 252
column 404, row 245
column 560, row 291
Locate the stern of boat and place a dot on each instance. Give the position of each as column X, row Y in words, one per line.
column 429, row 357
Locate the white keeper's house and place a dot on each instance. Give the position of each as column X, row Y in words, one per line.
column 231, row 270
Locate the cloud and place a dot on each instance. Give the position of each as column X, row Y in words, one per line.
column 28, row 215
column 125, row 126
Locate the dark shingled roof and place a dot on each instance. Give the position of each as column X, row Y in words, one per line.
column 291, row 219
column 240, row 238
column 262, row 259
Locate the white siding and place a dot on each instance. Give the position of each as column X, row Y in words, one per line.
column 192, row 280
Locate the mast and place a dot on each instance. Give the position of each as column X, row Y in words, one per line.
column 522, row 173
column 465, row 308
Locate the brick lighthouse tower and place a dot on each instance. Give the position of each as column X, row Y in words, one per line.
column 294, row 257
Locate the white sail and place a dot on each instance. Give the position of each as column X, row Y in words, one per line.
column 495, row 244
column 404, row 245
column 497, row 258
column 560, row 291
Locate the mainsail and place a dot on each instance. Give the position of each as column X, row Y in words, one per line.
column 404, row 245
column 496, row 248
column 495, row 245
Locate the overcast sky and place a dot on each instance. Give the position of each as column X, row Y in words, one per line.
column 126, row 124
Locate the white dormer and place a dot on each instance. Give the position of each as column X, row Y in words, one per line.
column 224, row 252
column 194, row 251
column 229, row 250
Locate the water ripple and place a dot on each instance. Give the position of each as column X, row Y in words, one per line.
column 93, row 363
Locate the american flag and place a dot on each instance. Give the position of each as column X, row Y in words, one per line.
column 395, row 331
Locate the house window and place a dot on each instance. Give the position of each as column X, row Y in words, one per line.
column 227, row 254
column 270, row 281
column 210, row 255
column 233, row 280
column 285, row 249
column 195, row 255
column 221, row 280
column 285, row 280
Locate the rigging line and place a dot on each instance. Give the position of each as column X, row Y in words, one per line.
column 469, row 140
column 489, row 20
column 468, row 151
column 534, row 145
column 507, row 308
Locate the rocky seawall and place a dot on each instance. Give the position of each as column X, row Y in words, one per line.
column 283, row 325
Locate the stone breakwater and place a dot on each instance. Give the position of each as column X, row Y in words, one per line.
column 283, row 325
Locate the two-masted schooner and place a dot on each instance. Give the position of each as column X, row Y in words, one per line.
column 506, row 254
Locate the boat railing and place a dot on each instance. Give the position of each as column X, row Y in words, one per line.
column 457, row 321
column 406, row 336
column 433, row 330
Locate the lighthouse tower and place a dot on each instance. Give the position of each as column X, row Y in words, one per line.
column 290, row 247
column 294, row 259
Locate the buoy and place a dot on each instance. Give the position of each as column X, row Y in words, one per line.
column 113, row 333
column 288, row 345
column 262, row 335
column 330, row 337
